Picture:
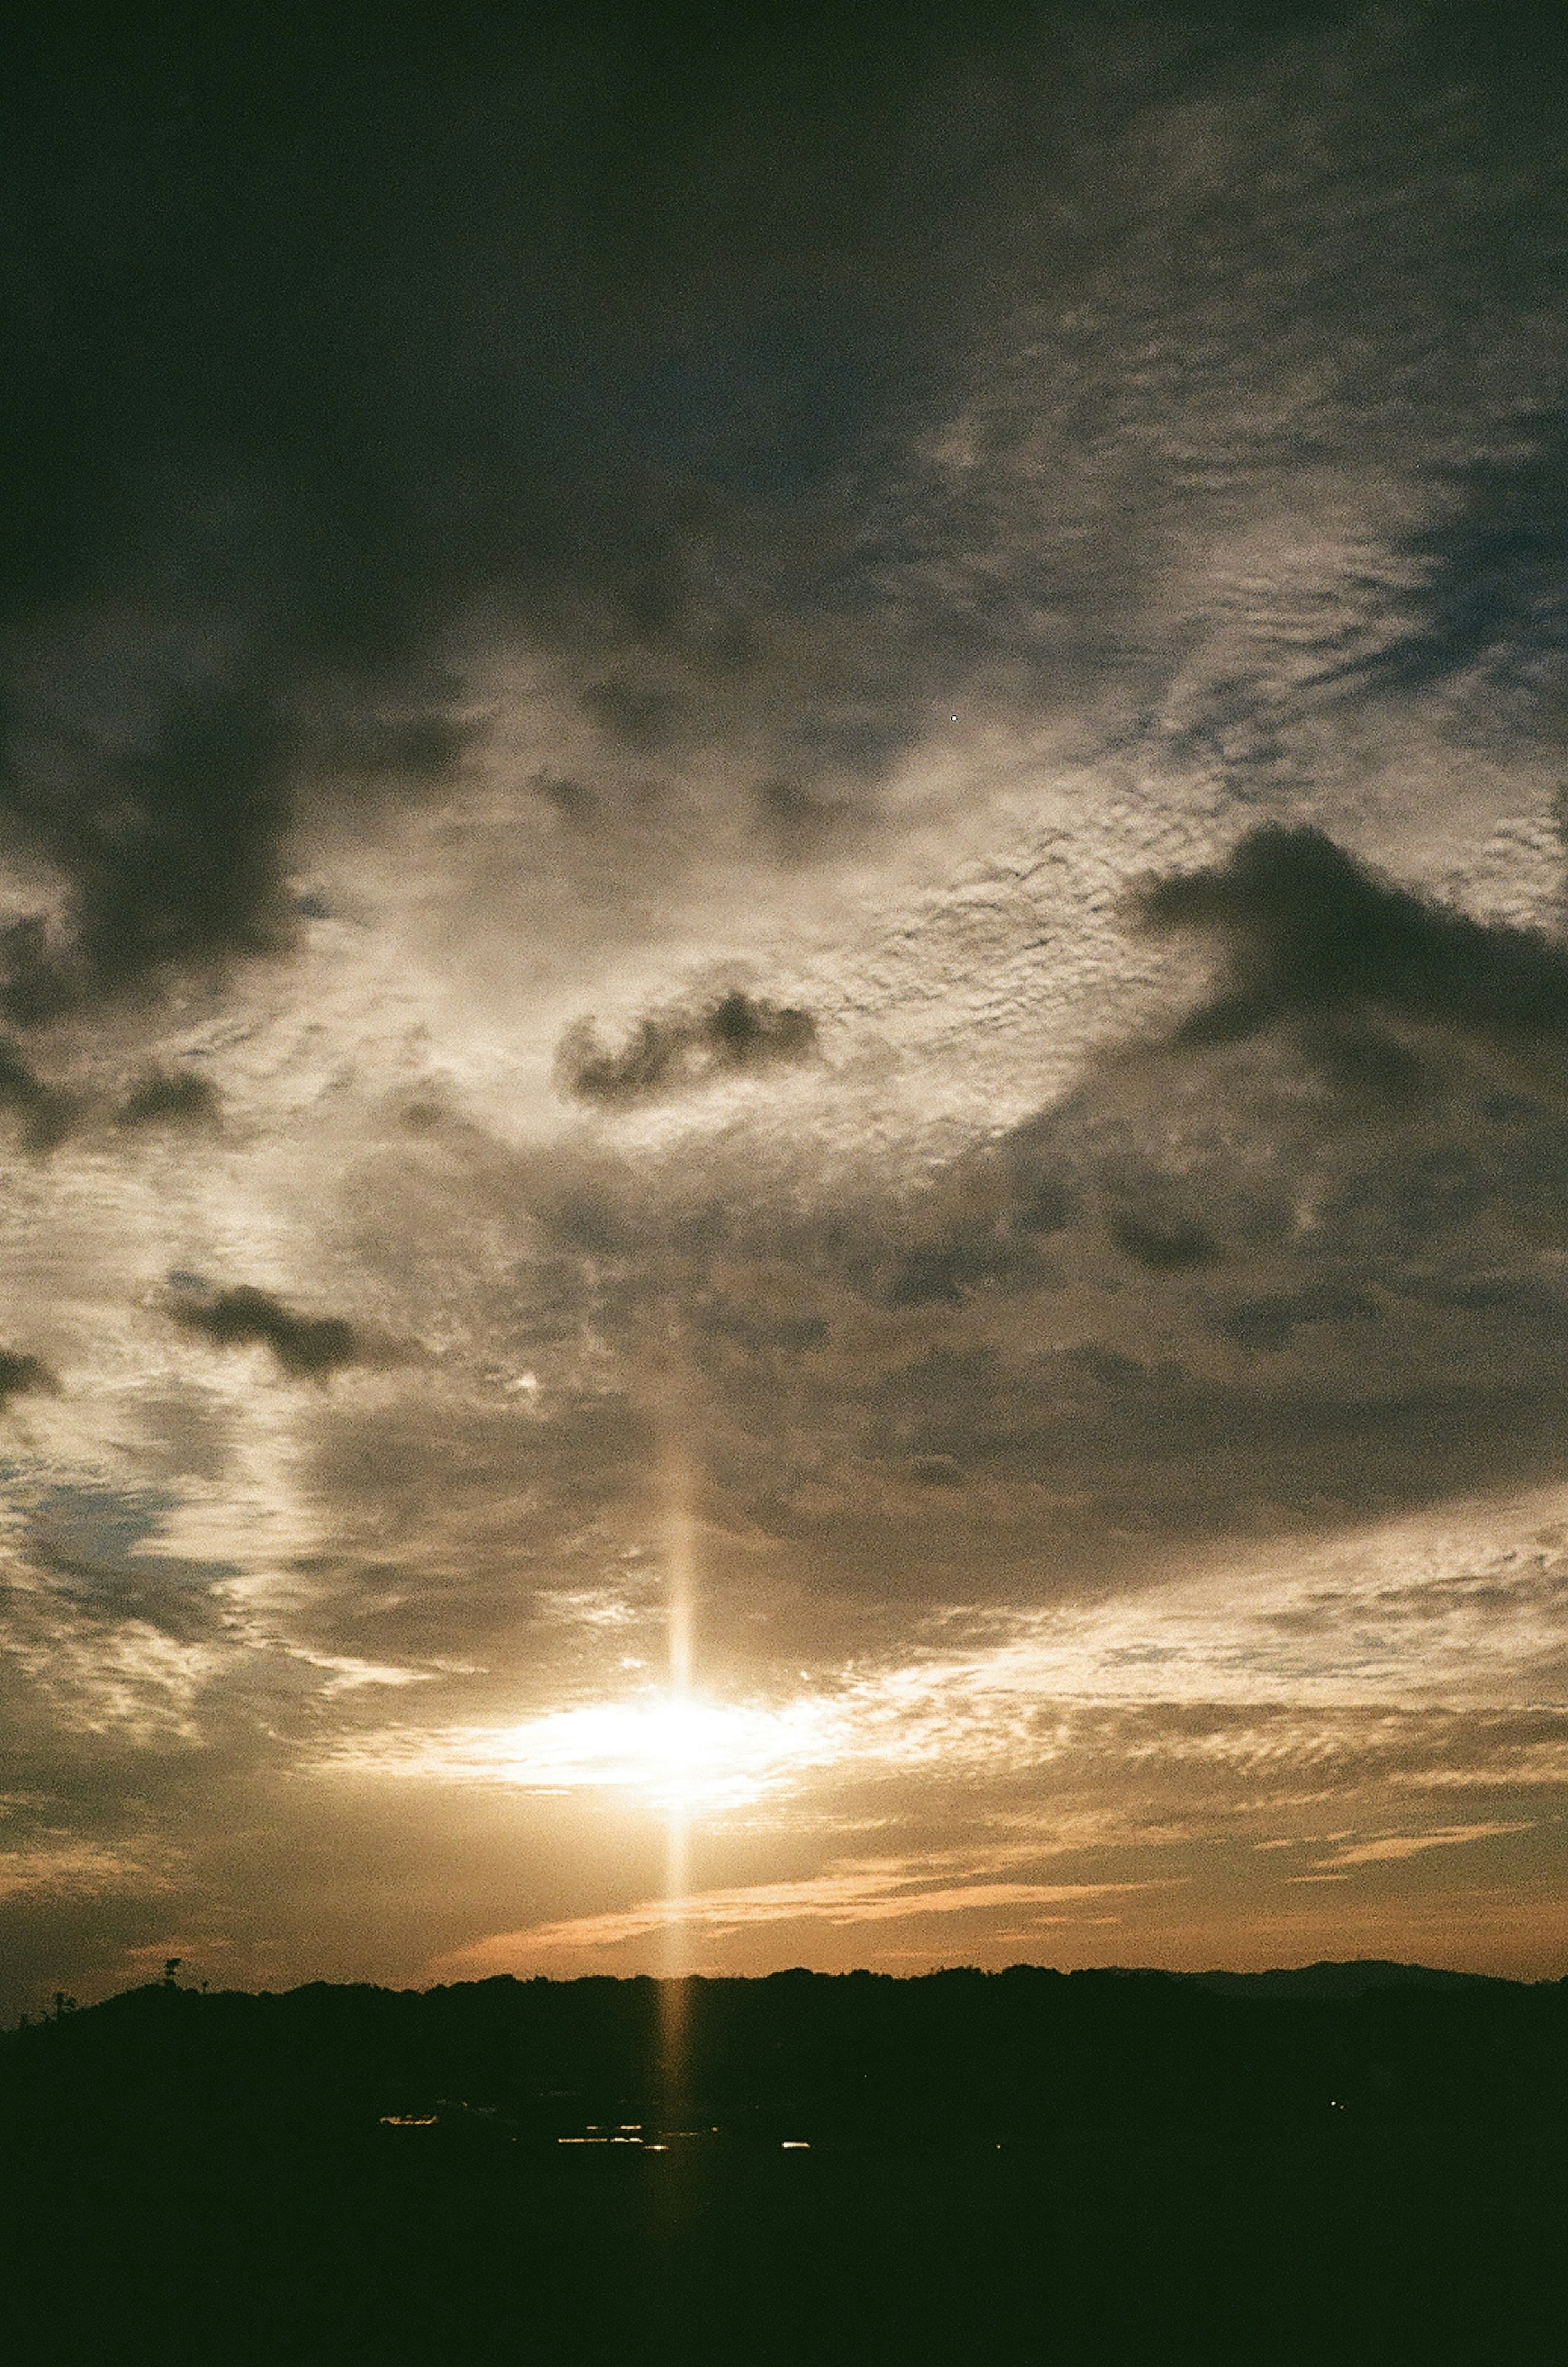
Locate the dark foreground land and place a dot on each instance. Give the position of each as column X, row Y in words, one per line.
column 1021, row 2165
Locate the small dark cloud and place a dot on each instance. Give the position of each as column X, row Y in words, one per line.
column 1165, row 1245
column 21, row 1374
column 411, row 744
column 745, row 1030
column 1362, row 1061
column 797, row 821
column 45, row 1116
column 170, row 847
column 672, row 1049
column 765, row 1333
column 1271, row 1321
column 162, row 1099
column 1493, row 593
column 942, row 1272
column 307, row 1346
column 574, row 800
column 97, row 1547
column 641, row 714
column 1485, row 1296
column 1511, row 1110
column 1044, row 1204
column 1313, row 936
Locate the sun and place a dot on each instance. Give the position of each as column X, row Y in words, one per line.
column 674, row 1749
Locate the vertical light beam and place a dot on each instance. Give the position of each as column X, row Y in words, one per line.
column 680, row 1582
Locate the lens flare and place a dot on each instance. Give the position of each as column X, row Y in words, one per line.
column 678, row 1738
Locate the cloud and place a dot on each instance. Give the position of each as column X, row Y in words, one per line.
column 241, row 622
column 699, row 1755
column 48, row 1116
column 307, row 1347
column 1273, row 1321
column 44, row 1116
column 1523, row 1767
column 113, row 1679
column 845, row 554
column 1377, row 1316
column 71, row 1867
column 959, row 370
column 170, row 847
column 20, row 1374
column 1167, row 1246
column 1389, row 1849
column 180, row 1098
column 860, row 1892
column 672, row 1050
column 1378, row 1659
column 1311, row 935
column 302, row 470
column 1489, row 602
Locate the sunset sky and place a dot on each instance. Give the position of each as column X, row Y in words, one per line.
column 783, row 993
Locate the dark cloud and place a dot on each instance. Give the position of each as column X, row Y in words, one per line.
column 797, row 820
column 20, row 1374
column 1273, row 1322
column 170, row 846
column 941, row 1273
column 308, row 362
column 44, row 1116
column 788, row 401
column 47, row 1114
column 181, row 1098
column 97, row 1547
column 1314, row 935
column 672, row 1049
column 1493, row 595
column 620, row 333
column 1111, row 1454
column 986, row 1224
column 307, row 1346
column 1165, row 1245
column 1192, row 1298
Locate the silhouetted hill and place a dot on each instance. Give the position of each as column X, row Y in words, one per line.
column 1051, row 2168
column 856, row 2058
column 1345, row 1980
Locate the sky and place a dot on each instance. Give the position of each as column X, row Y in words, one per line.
column 783, row 993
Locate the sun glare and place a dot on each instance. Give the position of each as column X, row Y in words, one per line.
column 675, row 1750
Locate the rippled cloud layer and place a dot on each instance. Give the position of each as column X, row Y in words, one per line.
column 783, row 1013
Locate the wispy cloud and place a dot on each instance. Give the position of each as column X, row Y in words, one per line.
column 737, row 1034
column 1331, row 1659
column 72, row 1868
column 1387, row 1849
column 1077, row 482
column 1537, row 1763
column 698, row 1754
column 865, row 1891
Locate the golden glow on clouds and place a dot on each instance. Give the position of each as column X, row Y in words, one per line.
column 853, row 1891
column 669, row 1749
column 1539, row 1763
column 1148, row 632
column 1451, row 1612
column 68, row 1868
column 1390, row 1847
